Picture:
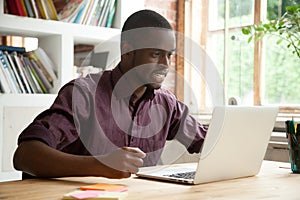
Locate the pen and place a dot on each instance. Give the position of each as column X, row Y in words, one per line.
column 287, row 128
column 292, row 131
column 297, row 129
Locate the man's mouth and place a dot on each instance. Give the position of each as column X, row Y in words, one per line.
column 159, row 76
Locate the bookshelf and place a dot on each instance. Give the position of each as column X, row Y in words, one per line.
column 57, row 39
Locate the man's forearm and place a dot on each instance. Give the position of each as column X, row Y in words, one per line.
column 40, row 160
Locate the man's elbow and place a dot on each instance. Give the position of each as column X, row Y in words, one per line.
column 20, row 156
column 17, row 159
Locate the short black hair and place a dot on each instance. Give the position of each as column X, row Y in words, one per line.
column 144, row 19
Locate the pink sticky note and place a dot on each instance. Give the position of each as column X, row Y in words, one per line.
column 121, row 190
column 86, row 194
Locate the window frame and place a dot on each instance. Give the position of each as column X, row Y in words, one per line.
column 185, row 6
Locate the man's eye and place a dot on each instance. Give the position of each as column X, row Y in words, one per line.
column 170, row 54
column 156, row 54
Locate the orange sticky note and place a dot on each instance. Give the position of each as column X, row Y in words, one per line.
column 105, row 187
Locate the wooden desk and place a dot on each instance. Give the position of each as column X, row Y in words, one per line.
column 275, row 181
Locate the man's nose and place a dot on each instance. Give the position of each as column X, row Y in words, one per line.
column 165, row 60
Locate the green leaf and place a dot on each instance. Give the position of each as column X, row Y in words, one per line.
column 279, row 41
column 286, row 28
column 267, row 26
column 280, row 24
column 260, row 29
column 246, row 31
column 250, row 38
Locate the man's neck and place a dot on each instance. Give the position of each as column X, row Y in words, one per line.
column 139, row 93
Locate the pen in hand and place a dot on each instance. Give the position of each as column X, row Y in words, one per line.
column 123, row 161
column 135, row 158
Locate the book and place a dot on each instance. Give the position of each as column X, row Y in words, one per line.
column 70, row 10
column 59, row 4
column 32, row 55
column 37, row 81
column 24, row 7
column 97, row 13
column 103, row 12
column 44, row 83
column 47, row 62
column 91, row 12
column 14, row 69
column 5, row 10
column 29, row 9
column 50, row 9
column 3, row 82
column 106, row 13
column 5, row 87
column 35, row 9
column 28, row 75
column 9, row 81
column 16, row 83
column 84, row 12
column 111, row 13
column 42, row 9
column 12, row 48
column 8, row 73
column 79, row 15
column 19, row 66
column 15, row 7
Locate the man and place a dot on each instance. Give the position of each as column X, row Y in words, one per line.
column 110, row 124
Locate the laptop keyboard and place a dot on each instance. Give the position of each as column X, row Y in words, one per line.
column 184, row 175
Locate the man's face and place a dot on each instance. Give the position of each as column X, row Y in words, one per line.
column 152, row 64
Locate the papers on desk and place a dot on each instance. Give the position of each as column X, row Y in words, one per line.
column 98, row 191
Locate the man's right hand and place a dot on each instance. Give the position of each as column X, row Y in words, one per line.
column 123, row 162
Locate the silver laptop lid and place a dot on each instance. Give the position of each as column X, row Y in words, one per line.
column 236, row 142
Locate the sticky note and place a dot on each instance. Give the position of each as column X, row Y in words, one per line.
column 94, row 195
column 105, row 187
column 86, row 194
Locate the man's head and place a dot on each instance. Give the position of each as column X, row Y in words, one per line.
column 147, row 42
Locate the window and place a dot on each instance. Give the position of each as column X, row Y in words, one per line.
column 263, row 73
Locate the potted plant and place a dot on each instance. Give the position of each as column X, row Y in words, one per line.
column 287, row 28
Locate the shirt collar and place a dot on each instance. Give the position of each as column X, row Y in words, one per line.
column 124, row 91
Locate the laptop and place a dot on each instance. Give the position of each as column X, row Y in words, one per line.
column 234, row 147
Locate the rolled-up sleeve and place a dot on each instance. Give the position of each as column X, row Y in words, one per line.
column 186, row 129
column 55, row 126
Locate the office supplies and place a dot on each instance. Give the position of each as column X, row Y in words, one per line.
column 94, row 194
column 234, row 147
column 98, row 191
column 292, row 130
column 104, row 187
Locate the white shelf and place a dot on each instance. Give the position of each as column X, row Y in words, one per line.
column 58, row 39
column 30, row 27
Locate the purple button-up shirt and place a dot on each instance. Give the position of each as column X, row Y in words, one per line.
column 92, row 116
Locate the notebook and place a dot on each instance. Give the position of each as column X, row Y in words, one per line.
column 234, row 147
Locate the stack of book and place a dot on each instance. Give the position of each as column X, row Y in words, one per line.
column 98, row 191
column 43, row 9
column 89, row 12
column 25, row 72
